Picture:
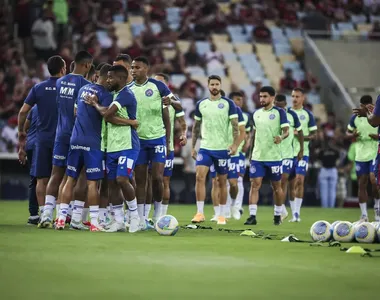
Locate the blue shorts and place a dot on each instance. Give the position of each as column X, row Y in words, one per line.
column 269, row 169
column 212, row 171
column 121, row 163
column 301, row 166
column 60, row 153
column 92, row 160
column 152, row 151
column 242, row 165
column 364, row 168
column 42, row 161
column 233, row 167
column 218, row 157
column 289, row 166
column 168, row 171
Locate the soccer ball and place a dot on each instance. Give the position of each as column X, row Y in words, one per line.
column 320, row 231
column 167, row 225
column 365, row 233
column 333, row 226
column 343, row 232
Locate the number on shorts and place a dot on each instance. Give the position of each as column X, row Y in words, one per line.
column 222, row 162
column 288, row 163
column 122, row 160
column 302, row 163
column 232, row 166
column 159, row 149
column 169, row 163
column 275, row 169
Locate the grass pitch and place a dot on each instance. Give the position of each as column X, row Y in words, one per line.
column 194, row 264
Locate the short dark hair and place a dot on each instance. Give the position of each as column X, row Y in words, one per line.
column 99, row 66
column 165, row 76
column 222, row 93
column 268, row 89
column 104, row 69
column 280, row 98
column 91, row 72
column 366, row 99
column 119, row 70
column 55, row 65
column 83, row 57
column 124, row 57
column 142, row 59
column 214, row 77
column 235, row 94
column 302, row 91
column 72, row 66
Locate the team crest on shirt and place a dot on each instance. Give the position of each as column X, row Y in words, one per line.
column 302, row 117
column 220, row 105
column 149, row 93
column 272, row 116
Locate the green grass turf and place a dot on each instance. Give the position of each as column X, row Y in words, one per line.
column 194, row 264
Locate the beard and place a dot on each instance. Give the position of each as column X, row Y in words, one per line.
column 214, row 92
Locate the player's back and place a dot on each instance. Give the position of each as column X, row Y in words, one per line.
column 88, row 123
column 67, row 92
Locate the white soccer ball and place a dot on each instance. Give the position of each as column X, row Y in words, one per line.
column 167, row 225
column 344, row 232
column 320, row 231
column 333, row 226
column 365, row 233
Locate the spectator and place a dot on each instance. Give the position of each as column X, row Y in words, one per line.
column 192, row 57
column 135, row 49
column 287, row 84
column 177, row 64
column 329, row 126
column 104, row 20
column 309, row 84
column 261, row 33
column 9, row 136
column 258, row 82
column 44, row 42
column 189, row 88
column 214, row 62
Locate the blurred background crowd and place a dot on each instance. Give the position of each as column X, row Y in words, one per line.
column 249, row 43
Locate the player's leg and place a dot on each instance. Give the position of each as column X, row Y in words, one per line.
column 287, row 172
column 149, row 196
column 292, row 195
column 74, row 166
column 203, row 164
column 60, row 153
column 80, row 196
column 214, row 194
column 141, row 175
column 376, row 197
column 362, row 171
column 168, row 172
column 301, row 169
column 104, row 201
column 32, row 197
column 233, row 175
column 274, row 169
column 240, row 195
column 220, row 160
column 158, row 159
column 256, row 174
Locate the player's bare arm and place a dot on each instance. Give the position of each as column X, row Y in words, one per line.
column 196, row 134
column 301, row 139
column 246, row 144
column 312, row 135
column 175, row 103
column 183, row 125
column 352, row 134
column 167, row 125
column 21, row 150
column 367, row 112
column 22, row 115
column 373, row 136
column 236, row 136
column 252, row 143
column 284, row 134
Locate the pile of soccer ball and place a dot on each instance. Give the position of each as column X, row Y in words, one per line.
column 343, row 231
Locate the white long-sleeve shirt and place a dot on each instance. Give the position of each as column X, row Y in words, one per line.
column 43, row 35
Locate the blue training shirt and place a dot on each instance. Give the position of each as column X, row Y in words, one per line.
column 32, row 131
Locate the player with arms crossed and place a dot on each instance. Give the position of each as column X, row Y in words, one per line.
column 44, row 96
column 154, row 132
column 85, row 153
column 175, row 113
column 212, row 117
column 365, row 154
column 121, row 153
column 67, row 92
column 270, row 128
column 309, row 129
column 289, row 158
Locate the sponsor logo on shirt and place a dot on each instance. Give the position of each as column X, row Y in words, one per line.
column 78, row 147
column 272, row 116
column 93, row 170
column 71, row 168
column 148, row 93
column 61, row 157
column 220, row 105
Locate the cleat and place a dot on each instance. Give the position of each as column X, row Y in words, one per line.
column 277, row 220
column 377, row 214
column 127, row 216
column 116, row 227
column 296, row 218
column 143, row 225
column 33, row 221
column 221, row 221
column 214, row 219
column 87, row 223
column 109, row 223
column 241, row 210
column 149, row 225
column 235, row 213
column 228, row 215
column 95, row 228
column 68, row 219
column 134, row 223
column 60, row 225
column 284, row 215
column 78, row 226
column 198, row 218
column 251, row 221
column 45, row 223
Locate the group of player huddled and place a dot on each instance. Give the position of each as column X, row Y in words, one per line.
column 114, row 125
